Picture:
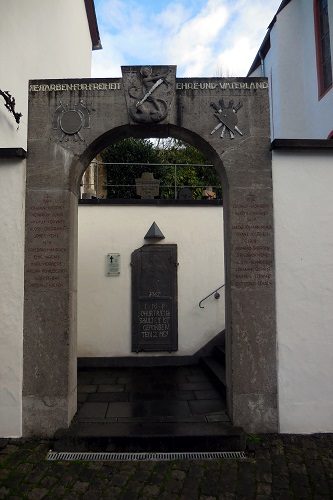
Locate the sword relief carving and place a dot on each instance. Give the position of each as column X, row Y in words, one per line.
column 227, row 117
column 148, row 93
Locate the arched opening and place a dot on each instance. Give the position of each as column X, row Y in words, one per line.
column 113, row 380
column 106, row 112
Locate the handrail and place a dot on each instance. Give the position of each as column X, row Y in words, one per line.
column 216, row 295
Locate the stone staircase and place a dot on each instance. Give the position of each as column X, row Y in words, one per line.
column 165, row 409
column 215, row 368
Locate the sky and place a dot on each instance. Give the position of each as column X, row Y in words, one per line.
column 202, row 37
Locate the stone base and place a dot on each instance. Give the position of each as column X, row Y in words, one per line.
column 256, row 413
column 43, row 416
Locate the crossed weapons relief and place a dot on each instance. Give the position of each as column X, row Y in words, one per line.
column 227, row 117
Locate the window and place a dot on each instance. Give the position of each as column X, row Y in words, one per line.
column 323, row 46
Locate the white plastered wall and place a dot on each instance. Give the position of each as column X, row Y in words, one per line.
column 104, row 303
column 12, row 177
column 38, row 39
column 290, row 65
column 303, row 212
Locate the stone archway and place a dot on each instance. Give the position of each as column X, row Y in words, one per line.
column 70, row 121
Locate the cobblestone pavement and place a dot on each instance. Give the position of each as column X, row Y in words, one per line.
column 281, row 467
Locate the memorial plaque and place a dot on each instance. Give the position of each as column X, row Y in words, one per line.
column 154, row 298
column 113, row 264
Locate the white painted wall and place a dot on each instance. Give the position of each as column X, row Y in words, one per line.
column 38, row 39
column 303, row 212
column 11, row 304
column 290, row 65
column 104, row 303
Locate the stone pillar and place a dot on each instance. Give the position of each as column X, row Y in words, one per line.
column 49, row 379
column 251, row 309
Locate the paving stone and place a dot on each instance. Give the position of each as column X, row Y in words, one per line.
column 58, row 491
column 4, row 442
column 246, row 490
column 94, row 465
column 48, row 481
column 178, row 474
column 80, row 486
column 282, row 494
column 301, row 491
column 264, row 489
column 264, row 466
column 111, row 388
column 134, row 486
column 24, row 488
column 281, row 482
column 108, row 397
column 278, row 461
column 157, row 479
column 167, row 495
column 10, row 448
column 282, row 468
column 13, row 480
column 146, row 465
column 301, row 480
column 196, row 471
column 218, row 417
column 191, row 483
column 128, row 495
column 140, row 475
column 92, row 493
column 162, row 467
column 4, row 491
column 280, row 471
column 92, row 409
column 87, row 388
column 150, row 491
column 87, row 475
column 174, row 486
column 321, row 489
column 37, row 493
column 119, row 480
column 71, row 496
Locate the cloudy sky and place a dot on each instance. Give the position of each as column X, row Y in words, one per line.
column 202, row 37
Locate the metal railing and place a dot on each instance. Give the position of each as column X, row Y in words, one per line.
column 215, row 293
column 95, row 180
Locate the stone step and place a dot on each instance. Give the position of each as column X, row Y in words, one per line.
column 149, row 437
column 216, row 372
column 219, row 353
